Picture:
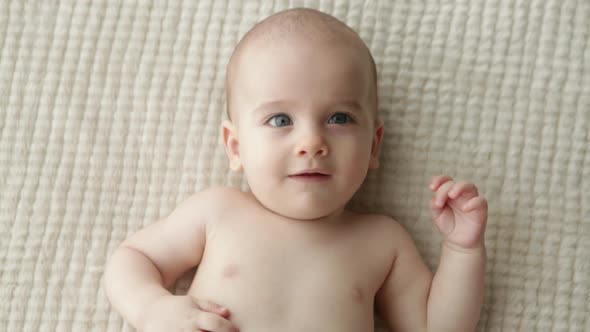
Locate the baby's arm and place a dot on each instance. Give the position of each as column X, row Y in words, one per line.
column 149, row 261
column 456, row 294
column 411, row 299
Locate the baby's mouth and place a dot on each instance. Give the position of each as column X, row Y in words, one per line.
column 310, row 176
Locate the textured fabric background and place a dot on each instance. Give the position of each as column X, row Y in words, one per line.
column 110, row 113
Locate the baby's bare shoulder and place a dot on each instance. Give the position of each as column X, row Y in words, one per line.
column 212, row 198
column 377, row 221
column 206, row 205
column 383, row 227
column 219, row 194
column 216, row 193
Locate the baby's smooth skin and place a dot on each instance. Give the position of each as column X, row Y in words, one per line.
column 287, row 255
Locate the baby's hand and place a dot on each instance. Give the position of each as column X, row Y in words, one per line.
column 462, row 220
column 185, row 313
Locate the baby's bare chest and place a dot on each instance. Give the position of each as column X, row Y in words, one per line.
column 276, row 276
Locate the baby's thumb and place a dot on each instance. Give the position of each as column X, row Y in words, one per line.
column 212, row 307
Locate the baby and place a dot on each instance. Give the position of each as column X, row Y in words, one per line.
column 288, row 255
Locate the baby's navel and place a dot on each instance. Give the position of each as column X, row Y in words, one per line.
column 230, row 270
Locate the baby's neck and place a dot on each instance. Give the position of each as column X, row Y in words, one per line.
column 335, row 217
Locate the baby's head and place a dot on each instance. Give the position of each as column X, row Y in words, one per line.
column 302, row 97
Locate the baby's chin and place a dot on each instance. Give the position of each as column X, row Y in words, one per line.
column 303, row 209
column 308, row 215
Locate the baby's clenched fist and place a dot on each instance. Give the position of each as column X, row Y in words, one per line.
column 185, row 313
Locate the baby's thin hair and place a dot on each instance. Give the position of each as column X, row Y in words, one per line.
column 315, row 24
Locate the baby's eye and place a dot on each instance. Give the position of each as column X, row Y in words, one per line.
column 340, row 118
column 279, row 120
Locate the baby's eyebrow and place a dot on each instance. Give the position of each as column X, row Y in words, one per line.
column 274, row 104
column 353, row 105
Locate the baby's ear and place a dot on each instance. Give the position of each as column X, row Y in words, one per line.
column 231, row 143
column 376, row 144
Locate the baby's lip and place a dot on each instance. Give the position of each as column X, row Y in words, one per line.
column 312, row 171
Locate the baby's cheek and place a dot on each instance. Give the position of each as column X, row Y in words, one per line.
column 254, row 154
column 359, row 163
column 358, row 153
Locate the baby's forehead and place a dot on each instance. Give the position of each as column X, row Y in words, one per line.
column 291, row 29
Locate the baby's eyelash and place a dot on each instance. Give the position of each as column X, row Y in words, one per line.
column 350, row 117
column 275, row 116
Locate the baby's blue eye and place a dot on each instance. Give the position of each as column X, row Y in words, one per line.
column 279, row 120
column 340, row 118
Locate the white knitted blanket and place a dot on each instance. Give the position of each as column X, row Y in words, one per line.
column 110, row 113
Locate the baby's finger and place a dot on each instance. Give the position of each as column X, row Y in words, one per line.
column 462, row 187
column 475, row 203
column 211, row 322
column 435, row 211
column 438, row 180
column 442, row 194
column 212, row 307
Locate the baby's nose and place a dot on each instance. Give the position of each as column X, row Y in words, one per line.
column 312, row 145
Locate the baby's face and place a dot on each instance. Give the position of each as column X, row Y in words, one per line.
column 304, row 108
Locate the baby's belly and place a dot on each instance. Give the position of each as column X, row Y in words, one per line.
column 293, row 302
